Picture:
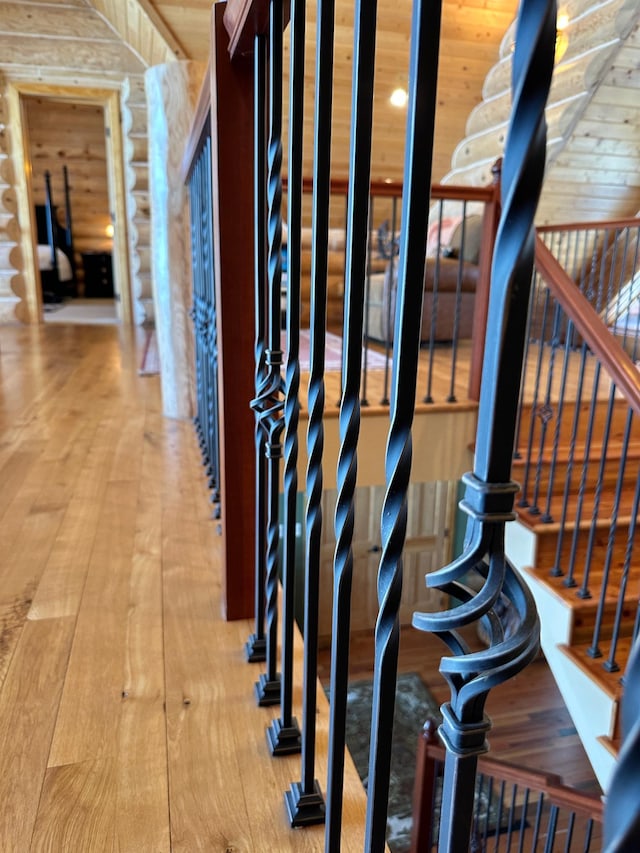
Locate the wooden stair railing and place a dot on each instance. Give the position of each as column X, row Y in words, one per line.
column 577, row 460
column 516, row 808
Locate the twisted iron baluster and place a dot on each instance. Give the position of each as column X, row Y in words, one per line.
column 390, row 273
column 610, row 664
column 489, row 491
column 423, row 71
column 284, row 733
column 269, row 403
column 622, row 807
column 355, row 272
column 305, row 803
column 256, row 645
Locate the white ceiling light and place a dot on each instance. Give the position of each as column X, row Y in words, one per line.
column 399, row 97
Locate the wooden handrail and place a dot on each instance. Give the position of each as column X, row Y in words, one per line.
column 393, row 189
column 199, row 125
column 632, row 222
column 590, row 325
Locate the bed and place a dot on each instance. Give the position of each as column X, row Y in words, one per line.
column 55, row 254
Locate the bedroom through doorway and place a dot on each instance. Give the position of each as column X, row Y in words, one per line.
column 71, row 207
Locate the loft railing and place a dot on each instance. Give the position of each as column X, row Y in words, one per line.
column 246, row 107
column 203, row 313
column 459, row 252
column 515, row 808
column 578, row 440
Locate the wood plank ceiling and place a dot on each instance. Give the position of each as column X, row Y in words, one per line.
column 596, row 167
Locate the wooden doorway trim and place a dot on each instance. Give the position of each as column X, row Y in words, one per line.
column 109, row 100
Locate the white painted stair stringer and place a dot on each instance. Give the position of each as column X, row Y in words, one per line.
column 592, row 710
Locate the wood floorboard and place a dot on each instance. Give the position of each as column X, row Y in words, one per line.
column 127, row 716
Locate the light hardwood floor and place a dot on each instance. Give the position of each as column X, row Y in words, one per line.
column 127, row 720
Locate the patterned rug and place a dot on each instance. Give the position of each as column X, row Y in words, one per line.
column 414, row 704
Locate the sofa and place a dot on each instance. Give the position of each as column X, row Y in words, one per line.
column 450, row 283
column 335, row 275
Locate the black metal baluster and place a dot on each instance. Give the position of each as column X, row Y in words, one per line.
column 367, row 287
column 284, row 733
column 587, row 836
column 390, row 271
column 584, row 590
column 546, row 410
column 256, row 646
column 489, row 490
column 551, row 829
column 525, row 361
column 269, row 403
column 610, row 664
column 458, row 301
column 557, row 570
column 570, row 829
column 535, row 410
column 538, row 822
column 523, row 820
column 428, row 397
column 499, row 814
column 304, row 801
column 356, row 262
column 622, row 805
column 423, row 69
column 546, row 516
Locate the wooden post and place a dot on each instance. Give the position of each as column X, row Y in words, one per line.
column 423, row 788
column 232, row 159
column 481, row 310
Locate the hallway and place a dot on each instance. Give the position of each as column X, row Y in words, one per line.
column 109, row 609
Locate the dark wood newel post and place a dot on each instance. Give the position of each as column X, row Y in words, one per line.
column 489, row 230
column 232, row 191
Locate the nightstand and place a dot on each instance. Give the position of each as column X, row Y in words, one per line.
column 98, row 276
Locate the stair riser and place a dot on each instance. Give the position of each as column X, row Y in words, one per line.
column 616, row 429
column 609, row 480
column 548, row 544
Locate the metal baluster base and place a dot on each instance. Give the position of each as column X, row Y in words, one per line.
column 268, row 692
column 304, row 809
column 284, row 740
column 256, row 649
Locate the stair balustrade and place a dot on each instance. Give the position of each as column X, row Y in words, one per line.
column 578, row 441
column 515, row 808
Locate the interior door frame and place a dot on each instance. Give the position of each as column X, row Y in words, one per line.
column 109, row 100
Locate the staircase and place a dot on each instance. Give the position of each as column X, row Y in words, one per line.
column 596, row 54
column 576, row 540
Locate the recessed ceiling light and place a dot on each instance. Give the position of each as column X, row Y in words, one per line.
column 399, row 97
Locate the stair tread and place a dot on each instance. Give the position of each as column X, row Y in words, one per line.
column 605, row 511
column 609, row 682
column 611, row 744
column 563, row 453
column 570, row 593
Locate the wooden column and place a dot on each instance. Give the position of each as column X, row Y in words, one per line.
column 232, row 169
column 172, row 90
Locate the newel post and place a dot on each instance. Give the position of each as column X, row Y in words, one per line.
column 232, row 196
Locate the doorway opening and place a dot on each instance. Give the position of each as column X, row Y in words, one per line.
column 73, row 199
column 70, row 192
